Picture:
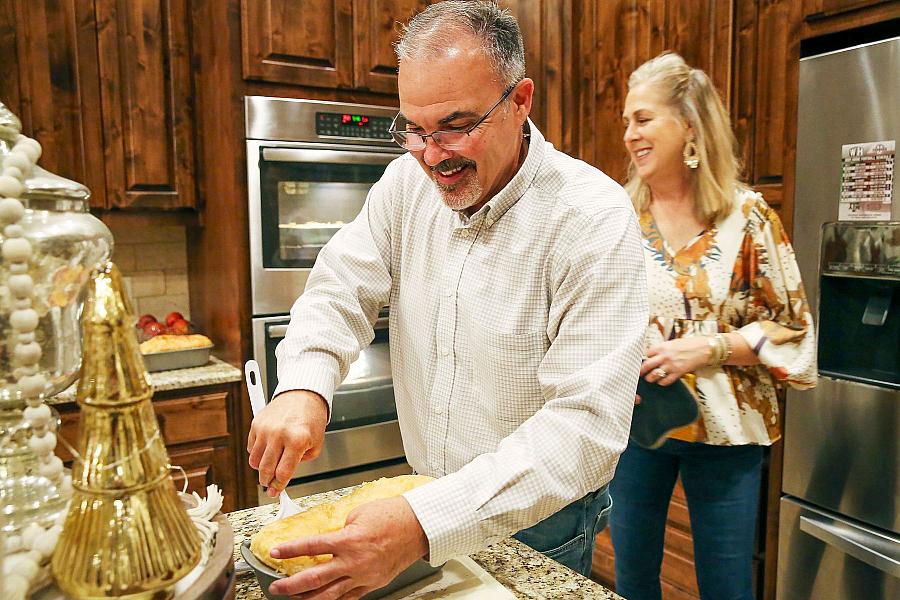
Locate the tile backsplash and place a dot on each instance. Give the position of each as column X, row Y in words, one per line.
column 153, row 261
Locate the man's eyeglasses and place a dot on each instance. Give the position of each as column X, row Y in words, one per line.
column 448, row 140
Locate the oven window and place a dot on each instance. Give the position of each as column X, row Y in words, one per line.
column 366, row 395
column 304, row 203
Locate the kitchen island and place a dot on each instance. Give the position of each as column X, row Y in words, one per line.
column 527, row 573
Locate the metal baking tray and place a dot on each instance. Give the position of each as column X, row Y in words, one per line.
column 177, row 359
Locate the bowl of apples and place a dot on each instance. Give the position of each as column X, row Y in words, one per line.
column 171, row 343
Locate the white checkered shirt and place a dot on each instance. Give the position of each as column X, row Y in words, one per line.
column 516, row 337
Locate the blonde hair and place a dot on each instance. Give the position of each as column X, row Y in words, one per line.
column 691, row 93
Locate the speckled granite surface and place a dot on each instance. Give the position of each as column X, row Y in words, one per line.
column 528, row 574
column 215, row 371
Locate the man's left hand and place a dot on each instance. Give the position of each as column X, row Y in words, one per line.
column 380, row 539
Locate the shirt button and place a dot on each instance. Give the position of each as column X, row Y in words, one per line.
column 438, row 409
column 445, row 351
column 465, row 233
column 489, row 222
column 448, row 294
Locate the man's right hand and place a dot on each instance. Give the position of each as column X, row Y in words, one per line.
column 291, row 428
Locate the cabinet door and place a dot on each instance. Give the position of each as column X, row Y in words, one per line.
column 48, row 78
column 376, row 27
column 205, row 466
column 832, row 7
column 145, row 89
column 302, row 42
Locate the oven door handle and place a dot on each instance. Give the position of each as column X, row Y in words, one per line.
column 277, row 332
column 309, row 155
column 853, row 541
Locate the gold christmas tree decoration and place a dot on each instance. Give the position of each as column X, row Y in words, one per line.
column 127, row 534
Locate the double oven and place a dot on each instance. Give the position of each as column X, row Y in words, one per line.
column 310, row 165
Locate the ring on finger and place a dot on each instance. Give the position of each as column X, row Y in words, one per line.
column 660, row 372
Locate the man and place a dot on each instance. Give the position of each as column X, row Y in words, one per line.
column 517, row 297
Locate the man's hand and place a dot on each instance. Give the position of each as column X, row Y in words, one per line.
column 380, row 539
column 290, row 428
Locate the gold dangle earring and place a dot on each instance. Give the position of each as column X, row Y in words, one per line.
column 691, row 155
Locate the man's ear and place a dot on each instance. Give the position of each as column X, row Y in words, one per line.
column 522, row 96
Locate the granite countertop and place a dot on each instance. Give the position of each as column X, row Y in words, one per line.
column 525, row 572
column 214, row 372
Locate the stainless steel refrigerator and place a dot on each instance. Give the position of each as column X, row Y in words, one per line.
column 839, row 535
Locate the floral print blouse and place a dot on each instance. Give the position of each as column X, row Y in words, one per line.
column 739, row 275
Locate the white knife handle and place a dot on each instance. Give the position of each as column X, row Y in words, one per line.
column 254, row 387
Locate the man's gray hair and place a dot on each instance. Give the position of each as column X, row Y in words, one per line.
column 437, row 27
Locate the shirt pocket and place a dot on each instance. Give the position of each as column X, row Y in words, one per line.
column 506, row 370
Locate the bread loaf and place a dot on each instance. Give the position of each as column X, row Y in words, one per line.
column 324, row 518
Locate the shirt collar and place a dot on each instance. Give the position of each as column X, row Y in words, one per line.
column 497, row 206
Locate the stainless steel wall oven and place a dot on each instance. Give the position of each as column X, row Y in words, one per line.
column 310, row 165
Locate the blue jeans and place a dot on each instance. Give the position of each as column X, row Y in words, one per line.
column 568, row 535
column 721, row 484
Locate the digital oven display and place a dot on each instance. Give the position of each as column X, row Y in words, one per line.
column 353, row 125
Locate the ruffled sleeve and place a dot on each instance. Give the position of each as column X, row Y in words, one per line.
column 778, row 325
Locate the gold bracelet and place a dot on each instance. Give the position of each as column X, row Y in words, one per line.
column 721, row 350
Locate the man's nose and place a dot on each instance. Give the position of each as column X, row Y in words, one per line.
column 433, row 153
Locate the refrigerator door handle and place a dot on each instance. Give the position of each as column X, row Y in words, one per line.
column 875, row 551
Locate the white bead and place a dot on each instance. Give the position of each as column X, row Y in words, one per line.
column 31, row 533
column 65, row 488
column 51, row 469
column 41, row 445
column 18, row 159
column 27, row 353
column 11, row 186
column 23, row 564
column 15, row 586
column 37, row 416
column 12, row 544
column 24, row 320
column 46, row 542
column 16, row 250
column 20, row 303
column 21, row 286
column 14, row 172
column 13, row 231
column 32, row 385
column 11, row 210
column 31, row 148
column 25, row 338
column 18, row 268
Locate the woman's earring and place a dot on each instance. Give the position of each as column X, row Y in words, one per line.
column 691, row 155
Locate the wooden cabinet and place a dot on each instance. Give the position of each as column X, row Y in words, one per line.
column 146, row 90
column 324, row 43
column 106, row 87
column 197, row 427
column 825, row 8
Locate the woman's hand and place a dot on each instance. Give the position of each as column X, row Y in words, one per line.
column 667, row 362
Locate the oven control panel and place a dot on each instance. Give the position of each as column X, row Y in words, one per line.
column 353, row 125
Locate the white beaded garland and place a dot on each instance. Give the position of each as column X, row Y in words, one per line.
column 11, row 186
column 21, row 286
column 17, row 250
column 38, row 416
column 19, row 160
column 25, row 553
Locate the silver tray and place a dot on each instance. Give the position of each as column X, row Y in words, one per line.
column 177, row 359
column 265, row 575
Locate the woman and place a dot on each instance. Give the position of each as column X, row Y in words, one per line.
column 728, row 317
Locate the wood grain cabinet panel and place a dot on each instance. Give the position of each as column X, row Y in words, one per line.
column 301, row 42
column 203, row 466
column 48, row 78
column 146, row 94
column 376, row 27
column 824, row 8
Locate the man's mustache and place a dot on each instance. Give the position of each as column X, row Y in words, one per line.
column 453, row 163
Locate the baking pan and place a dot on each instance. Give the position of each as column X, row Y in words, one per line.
column 265, row 575
column 177, row 359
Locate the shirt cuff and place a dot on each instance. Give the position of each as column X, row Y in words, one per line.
column 314, row 375
column 452, row 528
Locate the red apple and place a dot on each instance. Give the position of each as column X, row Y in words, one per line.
column 180, row 327
column 153, row 328
column 172, row 317
column 145, row 319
